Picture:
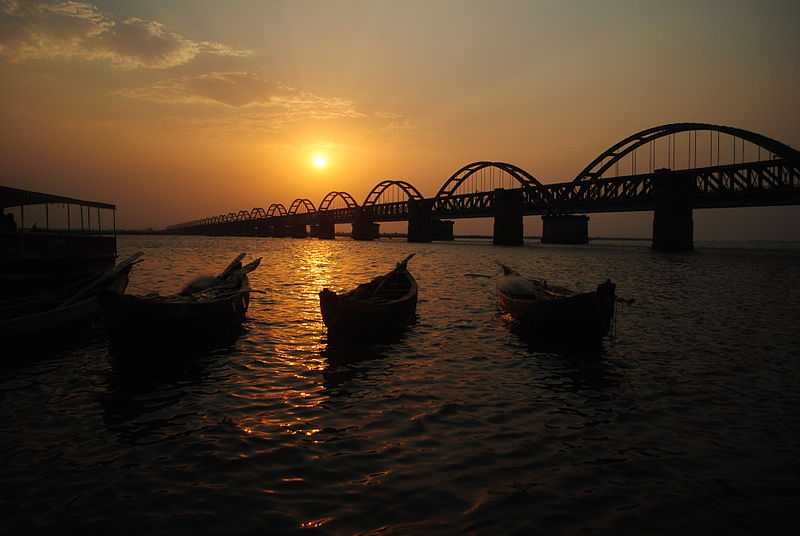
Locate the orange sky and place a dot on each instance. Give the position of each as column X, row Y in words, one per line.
column 183, row 109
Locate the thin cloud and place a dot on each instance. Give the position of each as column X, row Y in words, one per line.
column 76, row 29
column 255, row 100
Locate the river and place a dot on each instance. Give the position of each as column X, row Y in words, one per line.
column 689, row 418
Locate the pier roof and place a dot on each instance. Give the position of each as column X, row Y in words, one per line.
column 13, row 197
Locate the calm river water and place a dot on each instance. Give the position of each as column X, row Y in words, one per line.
column 688, row 419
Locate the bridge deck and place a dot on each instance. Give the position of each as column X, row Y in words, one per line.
column 767, row 183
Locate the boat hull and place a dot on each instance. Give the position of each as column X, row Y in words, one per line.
column 142, row 322
column 51, row 324
column 574, row 319
column 349, row 318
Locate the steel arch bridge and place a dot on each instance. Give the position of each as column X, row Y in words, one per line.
column 276, row 209
column 330, row 197
column 477, row 203
column 301, row 202
column 450, row 186
column 378, row 190
column 763, row 182
column 627, row 146
column 768, row 181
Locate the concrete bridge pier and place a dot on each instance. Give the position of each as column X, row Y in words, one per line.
column 280, row 230
column 363, row 228
column 260, row 228
column 247, row 228
column 565, row 229
column 673, row 224
column 324, row 229
column 298, row 230
column 422, row 226
column 420, row 220
column 508, row 212
column 443, row 229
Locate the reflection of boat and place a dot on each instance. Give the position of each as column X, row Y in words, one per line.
column 545, row 311
column 385, row 304
column 69, row 309
column 207, row 309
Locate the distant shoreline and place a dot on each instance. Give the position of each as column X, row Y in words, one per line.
column 153, row 232
column 147, row 232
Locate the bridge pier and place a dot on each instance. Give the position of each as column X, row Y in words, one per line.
column 279, row 230
column 248, row 229
column 324, row 229
column 363, row 228
column 508, row 212
column 673, row 224
column 443, row 230
column 565, row 229
column 420, row 220
column 259, row 228
column 298, row 230
column 422, row 226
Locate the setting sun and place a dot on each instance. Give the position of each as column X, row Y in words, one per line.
column 319, row 160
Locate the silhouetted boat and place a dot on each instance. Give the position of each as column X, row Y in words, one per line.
column 62, row 311
column 548, row 312
column 383, row 305
column 208, row 309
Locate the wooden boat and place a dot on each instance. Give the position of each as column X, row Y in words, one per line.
column 206, row 310
column 71, row 309
column 384, row 305
column 554, row 313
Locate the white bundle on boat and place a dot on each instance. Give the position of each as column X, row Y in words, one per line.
column 516, row 285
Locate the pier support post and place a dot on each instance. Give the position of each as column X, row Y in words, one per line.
column 298, row 230
column 324, row 229
column 363, row 229
column 422, row 226
column 420, row 220
column 565, row 229
column 673, row 225
column 261, row 228
column 279, row 230
column 250, row 228
column 442, row 229
column 508, row 217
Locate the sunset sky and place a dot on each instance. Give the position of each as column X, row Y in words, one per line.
column 175, row 110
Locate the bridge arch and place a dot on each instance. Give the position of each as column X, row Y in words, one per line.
column 452, row 184
column 331, row 197
column 243, row 215
column 623, row 148
column 257, row 213
column 378, row 189
column 276, row 209
column 304, row 202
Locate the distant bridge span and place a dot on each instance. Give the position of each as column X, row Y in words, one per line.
column 669, row 169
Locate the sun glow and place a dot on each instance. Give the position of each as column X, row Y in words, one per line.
column 319, row 160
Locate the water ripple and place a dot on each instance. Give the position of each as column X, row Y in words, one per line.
column 455, row 426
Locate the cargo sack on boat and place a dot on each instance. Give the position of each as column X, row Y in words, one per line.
column 516, row 285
